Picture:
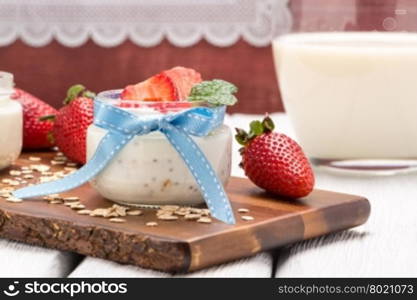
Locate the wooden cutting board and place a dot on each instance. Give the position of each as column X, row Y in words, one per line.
column 181, row 245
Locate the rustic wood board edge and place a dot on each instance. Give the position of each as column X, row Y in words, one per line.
column 162, row 254
column 132, row 248
column 274, row 233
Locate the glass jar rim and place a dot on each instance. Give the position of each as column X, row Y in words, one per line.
column 113, row 97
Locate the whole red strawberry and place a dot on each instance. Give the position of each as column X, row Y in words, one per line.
column 36, row 133
column 275, row 162
column 72, row 121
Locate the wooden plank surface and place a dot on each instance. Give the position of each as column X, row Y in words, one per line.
column 22, row 260
column 258, row 266
column 382, row 247
column 181, row 246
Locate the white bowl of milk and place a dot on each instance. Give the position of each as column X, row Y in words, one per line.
column 351, row 96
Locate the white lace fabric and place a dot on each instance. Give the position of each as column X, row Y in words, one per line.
column 145, row 22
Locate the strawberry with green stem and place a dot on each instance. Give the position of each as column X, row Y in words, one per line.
column 273, row 161
column 72, row 121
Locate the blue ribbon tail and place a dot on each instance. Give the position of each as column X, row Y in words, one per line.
column 111, row 143
column 210, row 186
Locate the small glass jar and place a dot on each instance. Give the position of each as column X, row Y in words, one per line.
column 148, row 170
column 11, row 122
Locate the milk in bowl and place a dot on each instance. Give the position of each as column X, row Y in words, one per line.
column 350, row 95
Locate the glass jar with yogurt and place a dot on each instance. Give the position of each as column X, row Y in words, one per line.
column 11, row 122
column 148, row 170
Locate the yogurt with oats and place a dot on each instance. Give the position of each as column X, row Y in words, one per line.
column 11, row 122
column 149, row 171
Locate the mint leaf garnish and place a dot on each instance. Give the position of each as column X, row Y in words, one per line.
column 216, row 92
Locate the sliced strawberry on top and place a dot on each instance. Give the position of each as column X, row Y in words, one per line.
column 184, row 79
column 157, row 88
column 170, row 85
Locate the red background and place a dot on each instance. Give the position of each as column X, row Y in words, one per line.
column 48, row 71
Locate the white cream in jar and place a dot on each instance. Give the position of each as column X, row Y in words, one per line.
column 11, row 122
column 149, row 171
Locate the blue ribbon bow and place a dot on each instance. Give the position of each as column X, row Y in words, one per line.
column 122, row 126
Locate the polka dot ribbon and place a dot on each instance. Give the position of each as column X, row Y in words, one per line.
column 122, row 126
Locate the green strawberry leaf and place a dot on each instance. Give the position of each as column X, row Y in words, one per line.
column 268, row 124
column 256, row 128
column 47, row 118
column 89, row 94
column 78, row 90
column 73, row 92
column 241, row 136
column 216, row 92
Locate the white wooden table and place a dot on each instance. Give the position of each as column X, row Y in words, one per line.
column 385, row 246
